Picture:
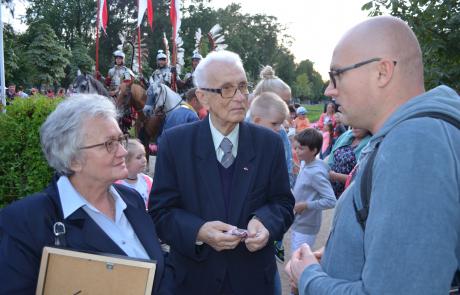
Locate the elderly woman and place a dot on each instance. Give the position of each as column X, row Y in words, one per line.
column 81, row 140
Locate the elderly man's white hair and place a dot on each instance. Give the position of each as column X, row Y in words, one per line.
column 200, row 74
column 62, row 134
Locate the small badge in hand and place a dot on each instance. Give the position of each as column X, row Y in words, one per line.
column 239, row 232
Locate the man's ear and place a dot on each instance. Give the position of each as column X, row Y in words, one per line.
column 256, row 119
column 202, row 98
column 386, row 70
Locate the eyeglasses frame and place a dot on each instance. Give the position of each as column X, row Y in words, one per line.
column 120, row 140
column 339, row 71
column 219, row 90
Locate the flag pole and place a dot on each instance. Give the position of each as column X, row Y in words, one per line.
column 97, row 35
column 139, row 49
column 139, row 42
column 173, row 18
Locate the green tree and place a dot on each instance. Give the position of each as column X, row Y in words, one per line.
column 303, row 87
column 259, row 39
column 70, row 20
column 285, row 66
column 11, row 57
column 47, row 56
column 436, row 24
column 80, row 60
column 317, row 83
column 18, row 68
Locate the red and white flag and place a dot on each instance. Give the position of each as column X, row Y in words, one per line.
column 175, row 16
column 143, row 5
column 103, row 16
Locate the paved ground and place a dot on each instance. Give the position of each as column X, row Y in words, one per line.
column 320, row 241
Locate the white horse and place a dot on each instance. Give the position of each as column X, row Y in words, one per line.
column 161, row 100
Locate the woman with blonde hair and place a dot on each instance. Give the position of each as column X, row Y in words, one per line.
column 270, row 82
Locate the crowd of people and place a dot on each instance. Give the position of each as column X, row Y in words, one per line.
column 230, row 182
column 14, row 92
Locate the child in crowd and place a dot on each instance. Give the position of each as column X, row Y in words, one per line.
column 290, row 121
column 312, row 191
column 136, row 163
column 328, row 134
column 295, row 159
column 269, row 110
column 301, row 122
column 339, row 128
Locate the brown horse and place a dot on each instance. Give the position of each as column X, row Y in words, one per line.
column 147, row 128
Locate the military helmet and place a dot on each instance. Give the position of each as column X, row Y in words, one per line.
column 196, row 55
column 161, row 55
column 119, row 53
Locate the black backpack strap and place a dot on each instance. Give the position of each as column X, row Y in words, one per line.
column 365, row 190
column 366, row 179
column 436, row 115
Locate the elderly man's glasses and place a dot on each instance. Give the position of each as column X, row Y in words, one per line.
column 229, row 91
column 337, row 72
column 112, row 144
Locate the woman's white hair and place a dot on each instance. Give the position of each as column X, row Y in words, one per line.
column 62, row 134
column 201, row 73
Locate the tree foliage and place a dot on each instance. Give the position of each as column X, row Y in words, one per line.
column 11, row 57
column 48, row 57
column 259, row 39
column 70, row 20
column 313, row 87
column 303, row 87
column 436, row 23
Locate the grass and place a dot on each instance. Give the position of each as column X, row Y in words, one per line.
column 314, row 111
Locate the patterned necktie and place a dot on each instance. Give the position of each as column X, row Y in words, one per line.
column 226, row 146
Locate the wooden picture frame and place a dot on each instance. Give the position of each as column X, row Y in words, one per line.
column 71, row 272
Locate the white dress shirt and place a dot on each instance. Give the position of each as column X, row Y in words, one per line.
column 217, row 139
column 119, row 230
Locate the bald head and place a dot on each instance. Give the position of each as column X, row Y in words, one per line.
column 386, row 37
column 376, row 67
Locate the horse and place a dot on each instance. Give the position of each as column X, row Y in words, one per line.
column 162, row 101
column 85, row 83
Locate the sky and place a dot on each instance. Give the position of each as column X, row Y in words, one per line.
column 315, row 25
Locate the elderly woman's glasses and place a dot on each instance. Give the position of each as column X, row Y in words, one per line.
column 112, row 144
column 229, row 91
column 339, row 71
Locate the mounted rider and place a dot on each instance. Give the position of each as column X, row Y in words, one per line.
column 163, row 72
column 118, row 74
column 187, row 83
